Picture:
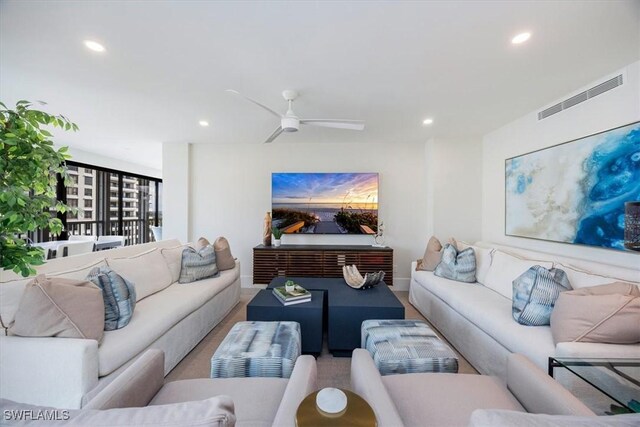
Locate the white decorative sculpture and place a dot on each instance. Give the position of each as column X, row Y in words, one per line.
column 354, row 279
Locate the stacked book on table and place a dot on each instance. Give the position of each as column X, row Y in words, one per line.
column 297, row 296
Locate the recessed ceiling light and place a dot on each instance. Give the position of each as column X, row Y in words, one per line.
column 203, row 123
column 94, row 46
column 427, row 121
column 521, row 38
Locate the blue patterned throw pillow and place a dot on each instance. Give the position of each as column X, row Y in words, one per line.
column 535, row 293
column 459, row 266
column 119, row 297
column 197, row 265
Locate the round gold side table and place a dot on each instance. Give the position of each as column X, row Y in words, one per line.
column 358, row 413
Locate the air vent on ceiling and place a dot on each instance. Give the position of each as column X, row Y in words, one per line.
column 581, row 97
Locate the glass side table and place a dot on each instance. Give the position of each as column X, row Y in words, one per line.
column 608, row 386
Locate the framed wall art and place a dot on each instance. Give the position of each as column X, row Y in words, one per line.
column 575, row 192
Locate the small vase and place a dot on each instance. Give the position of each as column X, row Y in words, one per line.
column 266, row 234
column 276, row 242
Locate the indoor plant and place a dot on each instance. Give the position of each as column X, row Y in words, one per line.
column 28, row 167
column 277, row 235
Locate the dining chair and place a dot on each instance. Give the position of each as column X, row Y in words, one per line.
column 111, row 239
column 74, row 248
column 157, row 233
column 82, row 238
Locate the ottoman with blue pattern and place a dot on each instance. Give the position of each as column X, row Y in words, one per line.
column 406, row 346
column 257, row 349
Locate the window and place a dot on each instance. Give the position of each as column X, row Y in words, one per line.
column 113, row 202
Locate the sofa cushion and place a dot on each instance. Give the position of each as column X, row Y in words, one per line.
column 432, row 255
column 224, row 259
column 483, row 259
column 147, row 271
column 214, row 411
column 252, row 405
column 505, row 268
column 606, row 313
column 584, row 279
column 57, row 307
column 11, row 291
column 119, row 297
column 198, row 264
column 491, row 312
column 459, row 266
column 535, row 293
column 173, row 257
column 154, row 316
column 434, row 399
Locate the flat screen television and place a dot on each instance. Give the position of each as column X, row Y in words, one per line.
column 325, row 203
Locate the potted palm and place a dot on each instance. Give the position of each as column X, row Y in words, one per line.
column 277, row 235
column 28, row 166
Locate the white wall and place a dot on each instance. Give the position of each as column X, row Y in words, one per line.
column 617, row 107
column 454, row 193
column 230, row 187
column 112, row 163
column 175, row 192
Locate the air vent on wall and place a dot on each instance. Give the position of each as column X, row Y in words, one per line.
column 581, row 97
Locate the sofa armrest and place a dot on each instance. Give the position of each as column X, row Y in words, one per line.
column 367, row 382
column 53, row 372
column 303, row 381
column 538, row 392
column 597, row 350
column 135, row 386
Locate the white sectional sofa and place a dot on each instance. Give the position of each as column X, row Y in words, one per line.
column 169, row 316
column 477, row 318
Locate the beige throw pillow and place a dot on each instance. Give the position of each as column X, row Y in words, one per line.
column 605, row 314
column 148, row 272
column 224, row 259
column 432, row 255
column 57, row 307
column 201, row 243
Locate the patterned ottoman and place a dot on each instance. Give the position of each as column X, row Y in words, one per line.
column 257, row 349
column 406, row 346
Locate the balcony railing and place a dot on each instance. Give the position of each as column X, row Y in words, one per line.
column 135, row 231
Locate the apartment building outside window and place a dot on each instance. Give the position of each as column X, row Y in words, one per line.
column 112, row 203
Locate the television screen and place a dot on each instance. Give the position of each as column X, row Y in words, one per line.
column 325, row 203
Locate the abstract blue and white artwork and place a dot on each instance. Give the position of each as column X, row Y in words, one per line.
column 575, row 192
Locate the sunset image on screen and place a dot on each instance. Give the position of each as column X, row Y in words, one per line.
column 325, row 203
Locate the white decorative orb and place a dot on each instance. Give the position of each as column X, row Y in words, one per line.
column 331, row 400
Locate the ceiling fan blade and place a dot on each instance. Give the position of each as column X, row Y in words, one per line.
column 274, row 135
column 235, row 92
column 338, row 124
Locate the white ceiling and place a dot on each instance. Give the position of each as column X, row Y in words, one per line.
column 392, row 64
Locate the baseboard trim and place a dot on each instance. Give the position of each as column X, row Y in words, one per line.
column 399, row 283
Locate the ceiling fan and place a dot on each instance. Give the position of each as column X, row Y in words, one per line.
column 289, row 122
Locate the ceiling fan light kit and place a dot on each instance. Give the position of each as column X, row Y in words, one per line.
column 289, row 122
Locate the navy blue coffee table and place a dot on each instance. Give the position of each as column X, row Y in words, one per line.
column 267, row 308
column 346, row 308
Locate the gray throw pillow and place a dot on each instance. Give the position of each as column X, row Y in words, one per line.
column 119, row 297
column 535, row 293
column 459, row 266
column 197, row 265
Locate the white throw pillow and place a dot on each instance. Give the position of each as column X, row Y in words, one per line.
column 216, row 411
column 584, row 279
column 505, row 268
column 483, row 260
column 148, row 271
column 173, row 257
